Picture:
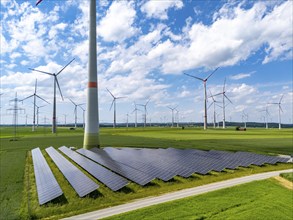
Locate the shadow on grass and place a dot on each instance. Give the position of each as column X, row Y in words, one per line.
column 126, row 190
column 174, row 180
column 61, row 200
column 194, row 177
column 95, row 194
column 151, row 184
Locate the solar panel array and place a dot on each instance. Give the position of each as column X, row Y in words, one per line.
column 100, row 156
column 81, row 183
column 110, row 179
column 47, row 186
column 113, row 166
column 172, row 162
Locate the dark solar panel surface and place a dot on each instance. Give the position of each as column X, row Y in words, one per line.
column 82, row 184
column 185, row 162
column 101, row 157
column 110, row 179
column 47, row 186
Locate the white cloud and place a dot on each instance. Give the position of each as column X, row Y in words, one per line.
column 54, row 30
column 117, row 25
column 241, row 76
column 227, row 41
column 159, row 9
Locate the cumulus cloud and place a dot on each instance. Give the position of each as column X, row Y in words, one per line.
column 227, row 42
column 117, row 25
column 159, row 9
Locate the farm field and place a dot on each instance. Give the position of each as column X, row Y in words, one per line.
column 18, row 192
column 265, row 199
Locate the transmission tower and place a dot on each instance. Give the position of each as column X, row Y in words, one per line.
column 15, row 109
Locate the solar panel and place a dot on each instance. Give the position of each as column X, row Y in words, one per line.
column 101, row 157
column 110, row 179
column 47, row 186
column 81, row 183
column 132, row 159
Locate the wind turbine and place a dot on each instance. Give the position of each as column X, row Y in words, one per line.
column 114, row 103
column 65, row 115
column 172, row 109
column 135, row 110
column 127, row 115
column 280, row 109
column 177, row 116
column 223, row 93
column 266, row 116
column 205, row 94
column 35, row 104
column 54, row 99
column 244, row 118
column 75, row 111
column 145, row 111
column 83, row 114
column 214, row 104
column 38, row 107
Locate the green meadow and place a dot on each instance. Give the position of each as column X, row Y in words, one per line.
column 18, row 191
column 265, row 199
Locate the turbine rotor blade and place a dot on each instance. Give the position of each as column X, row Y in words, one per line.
column 281, row 108
column 81, row 107
column 64, row 67
column 281, row 99
column 27, row 98
column 41, row 71
column 147, row 102
column 220, row 93
column 112, row 104
column 36, row 84
column 58, row 87
column 210, row 105
column 111, row 93
column 42, row 99
column 72, row 101
column 228, row 99
column 194, row 77
column 224, row 87
column 211, row 73
column 122, row 97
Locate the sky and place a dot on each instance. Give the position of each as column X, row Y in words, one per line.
column 143, row 50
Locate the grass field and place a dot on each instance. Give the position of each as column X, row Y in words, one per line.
column 288, row 176
column 13, row 159
column 265, row 199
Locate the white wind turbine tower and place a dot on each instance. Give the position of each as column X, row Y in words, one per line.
column 75, row 111
column 244, row 118
column 280, row 109
column 145, row 111
column 205, row 94
column 135, row 110
column 177, row 116
column 38, row 112
column 54, row 98
column 83, row 116
column 114, row 103
column 223, row 93
column 214, row 105
column 35, row 104
column 172, row 109
column 267, row 114
column 92, row 130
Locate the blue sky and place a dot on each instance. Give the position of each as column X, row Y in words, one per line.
column 144, row 49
